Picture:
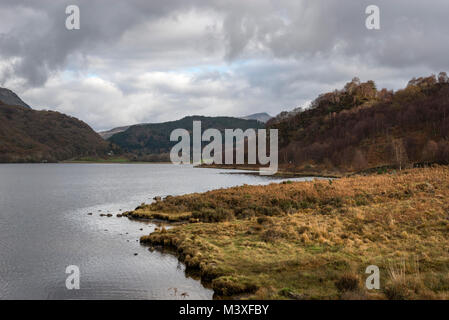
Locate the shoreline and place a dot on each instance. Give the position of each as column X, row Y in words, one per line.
column 250, row 170
column 88, row 162
column 311, row 240
column 115, row 162
column 293, row 174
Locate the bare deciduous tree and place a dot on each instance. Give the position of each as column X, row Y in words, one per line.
column 399, row 152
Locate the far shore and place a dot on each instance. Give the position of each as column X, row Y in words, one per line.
column 282, row 172
column 112, row 161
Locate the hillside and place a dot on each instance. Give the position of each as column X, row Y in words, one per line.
column 360, row 127
column 151, row 142
column 28, row 135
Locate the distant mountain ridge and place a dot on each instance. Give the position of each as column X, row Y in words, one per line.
column 28, row 135
column 152, row 141
column 262, row 117
column 8, row 97
column 109, row 133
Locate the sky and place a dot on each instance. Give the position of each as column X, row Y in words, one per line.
column 140, row 61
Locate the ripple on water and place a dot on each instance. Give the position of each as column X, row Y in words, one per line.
column 44, row 227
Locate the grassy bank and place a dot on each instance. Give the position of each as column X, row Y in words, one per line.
column 314, row 240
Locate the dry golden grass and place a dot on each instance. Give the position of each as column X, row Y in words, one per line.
column 308, row 240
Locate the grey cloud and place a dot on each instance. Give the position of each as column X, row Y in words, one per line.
column 43, row 44
column 412, row 31
column 162, row 59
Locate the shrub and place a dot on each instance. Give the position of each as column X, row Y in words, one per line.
column 246, row 213
column 264, row 219
column 348, row 282
column 287, row 205
column 231, row 285
column 269, row 211
column 211, row 215
column 397, row 290
column 308, row 202
column 272, row 234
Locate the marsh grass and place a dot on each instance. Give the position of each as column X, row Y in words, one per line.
column 313, row 240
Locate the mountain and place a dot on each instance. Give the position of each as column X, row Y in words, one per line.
column 152, row 141
column 109, row 133
column 10, row 98
column 27, row 135
column 262, row 117
column 359, row 128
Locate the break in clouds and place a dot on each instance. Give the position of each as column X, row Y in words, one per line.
column 149, row 61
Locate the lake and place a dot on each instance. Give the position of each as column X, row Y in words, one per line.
column 45, row 227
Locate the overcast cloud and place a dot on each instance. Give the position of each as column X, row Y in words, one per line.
column 148, row 61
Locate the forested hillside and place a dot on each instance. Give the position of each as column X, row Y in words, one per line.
column 28, row 135
column 360, row 127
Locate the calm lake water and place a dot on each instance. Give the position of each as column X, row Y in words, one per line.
column 44, row 227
